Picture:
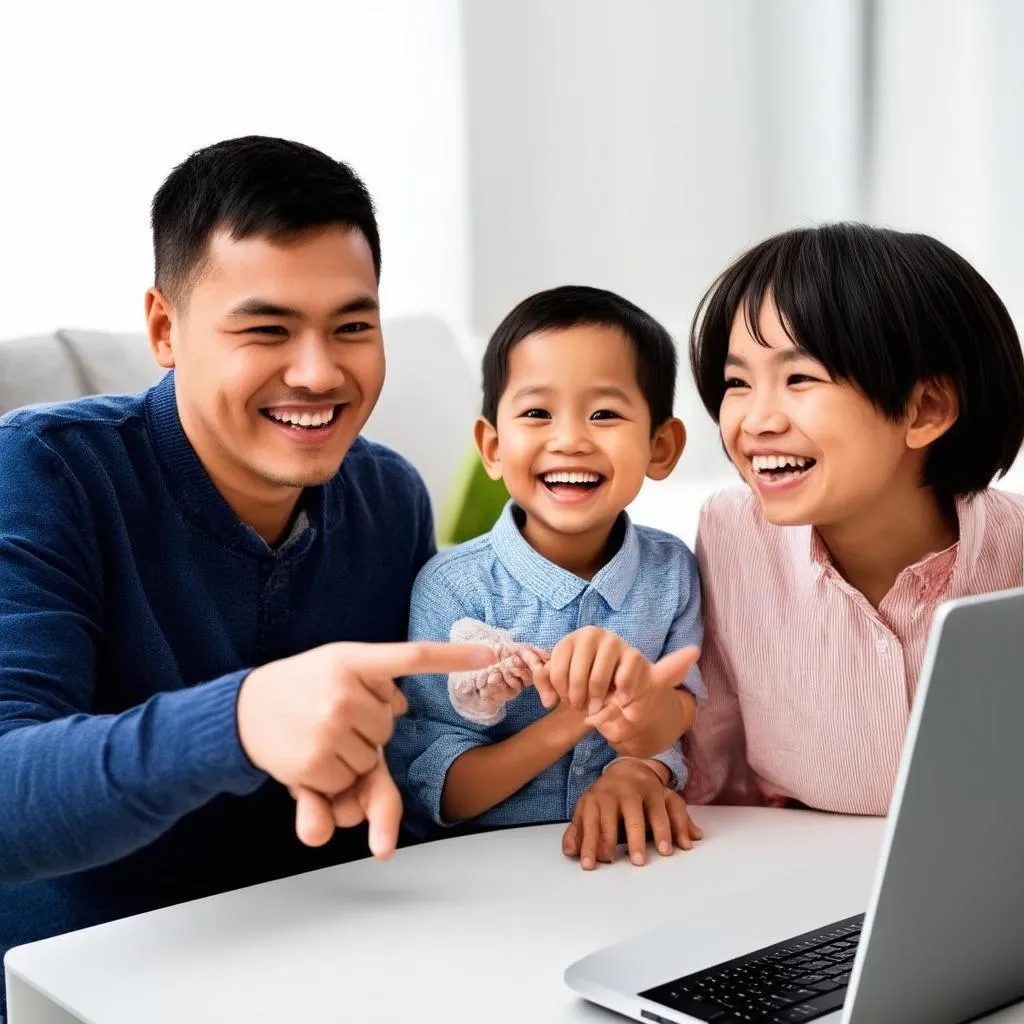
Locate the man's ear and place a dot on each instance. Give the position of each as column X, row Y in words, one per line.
column 486, row 437
column 933, row 408
column 667, row 446
column 159, row 319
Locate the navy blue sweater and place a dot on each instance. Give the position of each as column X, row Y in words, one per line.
column 133, row 602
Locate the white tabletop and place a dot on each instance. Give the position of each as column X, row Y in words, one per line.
column 469, row 929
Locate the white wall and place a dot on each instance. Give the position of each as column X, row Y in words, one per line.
column 639, row 146
column 99, row 101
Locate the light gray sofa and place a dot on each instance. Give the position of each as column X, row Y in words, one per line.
column 426, row 411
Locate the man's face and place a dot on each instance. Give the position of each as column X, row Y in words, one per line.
column 278, row 359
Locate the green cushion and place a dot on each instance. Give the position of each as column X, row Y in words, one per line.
column 473, row 506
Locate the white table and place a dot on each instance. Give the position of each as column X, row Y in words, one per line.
column 470, row 929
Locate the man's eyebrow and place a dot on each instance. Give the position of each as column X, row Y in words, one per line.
column 256, row 307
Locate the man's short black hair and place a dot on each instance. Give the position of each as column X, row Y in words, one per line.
column 251, row 186
column 576, row 306
column 883, row 310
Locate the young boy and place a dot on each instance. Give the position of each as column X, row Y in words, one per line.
column 578, row 393
column 869, row 385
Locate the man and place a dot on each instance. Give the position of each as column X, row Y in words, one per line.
column 202, row 587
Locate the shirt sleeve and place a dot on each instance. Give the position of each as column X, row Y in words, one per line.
column 431, row 735
column 79, row 789
column 716, row 745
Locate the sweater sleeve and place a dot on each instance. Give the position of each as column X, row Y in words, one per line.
column 79, row 789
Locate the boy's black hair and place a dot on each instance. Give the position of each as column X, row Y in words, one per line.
column 883, row 310
column 576, row 306
column 252, row 186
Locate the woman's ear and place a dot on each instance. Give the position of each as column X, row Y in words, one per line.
column 933, row 408
column 667, row 446
column 486, row 438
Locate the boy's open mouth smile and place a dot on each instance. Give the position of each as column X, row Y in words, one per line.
column 780, row 471
column 571, row 487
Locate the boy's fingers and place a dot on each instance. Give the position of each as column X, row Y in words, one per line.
column 671, row 670
column 591, row 831
column 636, row 829
column 661, row 825
column 542, row 684
column 682, row 827
column 580, row 667
column 314, row 822
column 571, row 838
column 609, row 809
column 602, row 672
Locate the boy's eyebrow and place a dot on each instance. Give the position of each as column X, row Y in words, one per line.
column 602, row 391
column 256, row 307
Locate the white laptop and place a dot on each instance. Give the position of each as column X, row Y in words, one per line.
column 942, row 940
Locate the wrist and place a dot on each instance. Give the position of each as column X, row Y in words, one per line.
column 657, row 768
column 567, row 724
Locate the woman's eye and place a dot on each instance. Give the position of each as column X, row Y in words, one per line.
column 801, row 378
column 536, row 414
column 605, row 414
column 734, row 382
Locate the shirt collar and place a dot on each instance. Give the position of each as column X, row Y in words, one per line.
column 551, row 582
column 935, row 572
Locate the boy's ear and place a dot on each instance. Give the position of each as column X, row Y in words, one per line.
column 667, row 446
column 486, row 438
column 933, row 408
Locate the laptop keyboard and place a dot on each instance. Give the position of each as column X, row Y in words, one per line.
column 800, row 979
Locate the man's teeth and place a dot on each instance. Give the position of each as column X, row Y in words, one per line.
column 766, row 462
column 303, row 419
column 571, row 478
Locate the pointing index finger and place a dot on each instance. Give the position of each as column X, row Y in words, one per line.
column 420, row 656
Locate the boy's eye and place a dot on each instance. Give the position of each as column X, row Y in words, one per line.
column 605, row 414
column 536, row 414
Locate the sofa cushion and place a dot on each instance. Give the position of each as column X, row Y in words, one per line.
column 111, row 363
column 37, row 369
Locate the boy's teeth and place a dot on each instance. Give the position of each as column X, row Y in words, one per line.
column 571, row 478
column 766, row 462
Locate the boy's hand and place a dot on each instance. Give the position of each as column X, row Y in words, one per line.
column 592, row 668
column 634, row 793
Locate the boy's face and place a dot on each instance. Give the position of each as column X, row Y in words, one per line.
column 573, row 440
column 814, row 450
column 273, row 333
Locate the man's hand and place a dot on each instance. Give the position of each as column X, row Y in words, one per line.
column 316, row 722
column 633, row 792
column 592, row 669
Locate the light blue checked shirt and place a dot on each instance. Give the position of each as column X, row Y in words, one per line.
column 648, row 594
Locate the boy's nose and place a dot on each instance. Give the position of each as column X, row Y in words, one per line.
column 570, row 440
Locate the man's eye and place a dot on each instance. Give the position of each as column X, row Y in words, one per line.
column 356, row 327
column 275, row 330
column 536, row 414
column 605, row 414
